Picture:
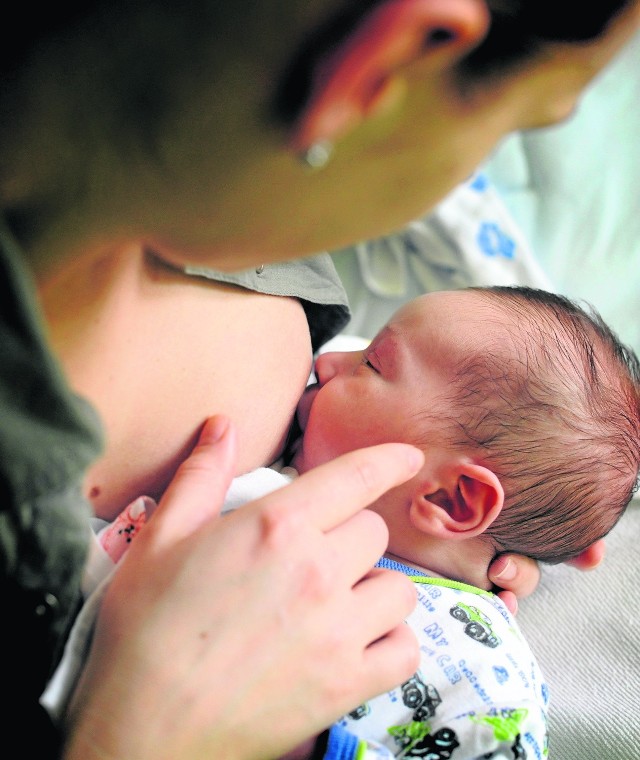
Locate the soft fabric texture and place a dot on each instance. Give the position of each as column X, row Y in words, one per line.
column 470, row 238
column 584, row 631
column 312, row 280
column 47, row 438
column 574, row 190
column 478, row 694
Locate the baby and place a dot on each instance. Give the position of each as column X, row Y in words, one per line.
column 527, row 409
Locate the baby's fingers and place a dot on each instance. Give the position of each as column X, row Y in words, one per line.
column 591, row 557
column 515, row 573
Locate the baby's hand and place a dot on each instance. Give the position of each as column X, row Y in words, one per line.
column 591, row 557
column 517, row 576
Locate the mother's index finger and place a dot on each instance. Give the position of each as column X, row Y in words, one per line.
column 336, row 490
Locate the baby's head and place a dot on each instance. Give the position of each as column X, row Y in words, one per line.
column 526, row 406
column 557, row 416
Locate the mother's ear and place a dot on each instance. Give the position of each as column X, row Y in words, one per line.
column 469, row 498
column 362, row 76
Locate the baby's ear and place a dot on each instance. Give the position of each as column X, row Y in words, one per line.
column 469, row 499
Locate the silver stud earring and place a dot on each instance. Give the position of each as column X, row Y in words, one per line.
column 318, row 155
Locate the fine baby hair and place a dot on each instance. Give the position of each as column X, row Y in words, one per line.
column 556, row 415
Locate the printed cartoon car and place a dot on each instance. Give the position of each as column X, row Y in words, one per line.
column 478, row 625
column 438, row 746
column 519, row 752
column 416, row 743
column 421, row 697
column 360, row 712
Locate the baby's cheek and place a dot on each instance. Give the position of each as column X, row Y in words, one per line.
column 321, row 443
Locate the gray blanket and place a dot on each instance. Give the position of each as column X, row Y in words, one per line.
column 585, row 631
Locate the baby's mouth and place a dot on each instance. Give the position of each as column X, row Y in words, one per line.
column 305, row 404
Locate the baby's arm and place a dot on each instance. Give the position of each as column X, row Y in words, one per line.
column 478, row 692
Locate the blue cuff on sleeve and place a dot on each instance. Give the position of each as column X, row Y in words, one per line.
column 342, row 744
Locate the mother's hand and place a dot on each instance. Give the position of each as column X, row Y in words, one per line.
column 240, row 637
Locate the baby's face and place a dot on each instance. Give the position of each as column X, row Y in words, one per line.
column 396, row 389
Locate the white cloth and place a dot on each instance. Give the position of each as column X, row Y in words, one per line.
column 98, row 573
column 255, row 484
column 470, row 238
column 479, row 692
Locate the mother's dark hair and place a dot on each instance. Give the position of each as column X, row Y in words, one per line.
column 518, row 28
column 521, row 28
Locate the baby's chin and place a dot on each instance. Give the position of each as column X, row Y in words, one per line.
column 296, row 451
column 304, row 405
column 298, row 461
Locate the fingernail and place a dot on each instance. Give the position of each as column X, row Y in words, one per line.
column 507, row 573
column 415, row 458
column 137, row 508
column 149, row 505
column 215, row 429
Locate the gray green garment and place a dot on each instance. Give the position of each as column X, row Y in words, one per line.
column 48, row 437
column 314, row 281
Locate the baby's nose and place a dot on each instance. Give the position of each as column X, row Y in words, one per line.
column 333, row 363
column 326, row 366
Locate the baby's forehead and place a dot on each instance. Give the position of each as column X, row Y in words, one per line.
column 487, row 334
column 460, row 304
column 458, row 318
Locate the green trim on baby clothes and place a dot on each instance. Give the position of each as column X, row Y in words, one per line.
column 448, row 583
